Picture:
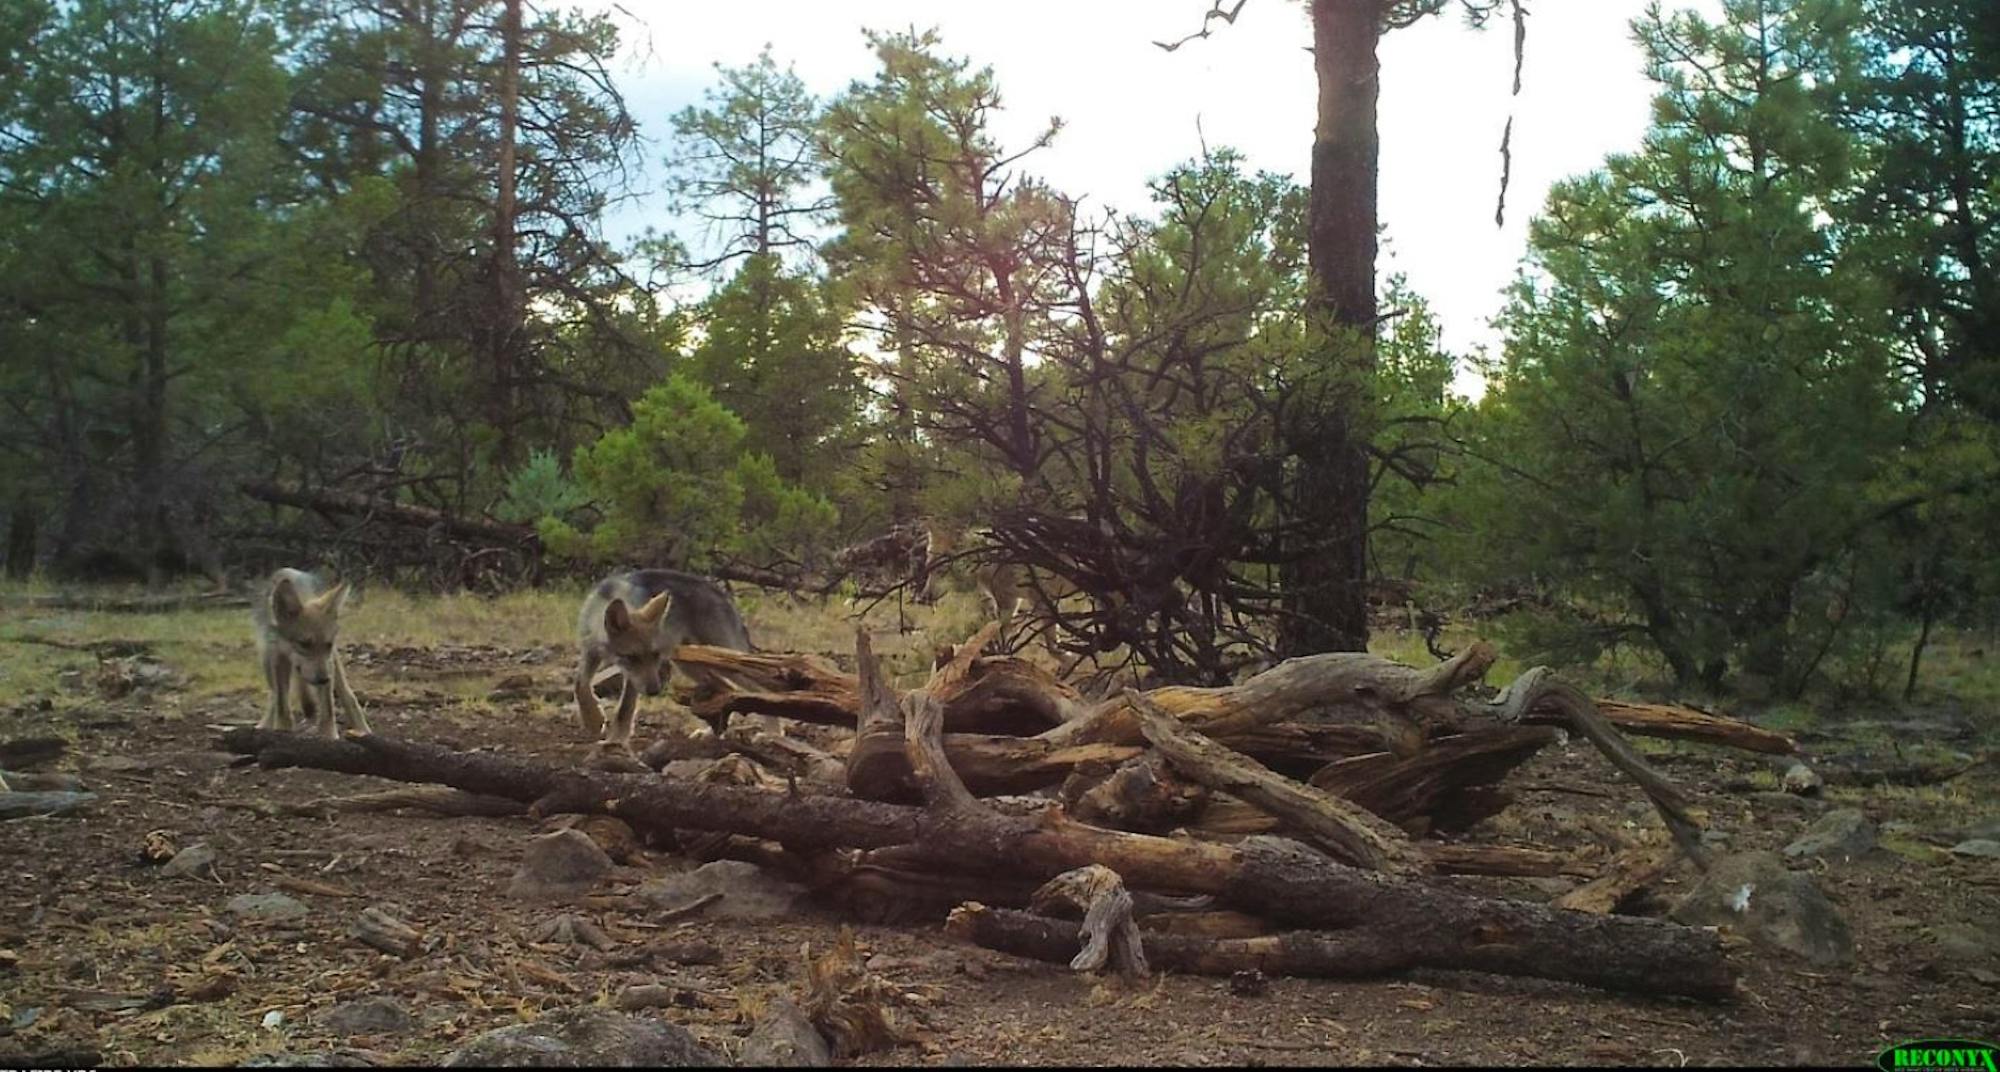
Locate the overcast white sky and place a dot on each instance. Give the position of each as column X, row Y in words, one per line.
column 1131, row 109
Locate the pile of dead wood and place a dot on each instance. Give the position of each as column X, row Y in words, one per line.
column 1290, row 824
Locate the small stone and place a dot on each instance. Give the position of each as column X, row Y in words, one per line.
column 560, row 866
column 195, row 861
column 1841, row 834
column 1802, row 780
column 370, row 1016
column 1983, row 847
column 265, row 906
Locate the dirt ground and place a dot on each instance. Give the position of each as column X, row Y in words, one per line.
column 103, row 953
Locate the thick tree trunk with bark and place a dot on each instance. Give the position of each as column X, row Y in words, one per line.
column 1326, row 574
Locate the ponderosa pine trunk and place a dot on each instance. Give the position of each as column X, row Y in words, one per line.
column 1325, row 580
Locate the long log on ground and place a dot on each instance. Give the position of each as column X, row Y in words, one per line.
column 1326, row 954
column 1294, row 887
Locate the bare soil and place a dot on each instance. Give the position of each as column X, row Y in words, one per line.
column 101, row 952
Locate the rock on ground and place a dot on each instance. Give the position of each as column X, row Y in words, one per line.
column 560, row 866
column 784, row 1038
column 195, row 861
column 747, row 892
column 1986, row 847
column 585, row 1038
column 266, row 906
column 369, row 1016
column 1841, row 834
column 1753, row 894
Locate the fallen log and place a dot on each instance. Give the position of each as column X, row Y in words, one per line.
column 1287, row 885
column 1354, row 954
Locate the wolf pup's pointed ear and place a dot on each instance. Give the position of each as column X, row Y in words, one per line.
column 333, row 602
column 286, row 606
column 655, row 607
column 617, row 616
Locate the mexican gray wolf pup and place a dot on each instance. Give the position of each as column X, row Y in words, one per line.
column 633, row 622
column 297, row 619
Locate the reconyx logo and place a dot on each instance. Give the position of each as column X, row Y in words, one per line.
column 1942, row 1054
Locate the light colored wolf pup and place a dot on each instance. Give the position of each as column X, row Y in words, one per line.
column 297, row 620
column 633, row 622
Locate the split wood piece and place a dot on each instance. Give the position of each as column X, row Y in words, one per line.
column 1629, row 872
column 1351, row 833
column 377, row 928
column 878, row 765
column 1539, row 690
column 1297, row 749
column 1685, row 723
column 1297, row 888
column 1505, row 860
column 1144, row 794
column 1442, row 781
column 1108, row 932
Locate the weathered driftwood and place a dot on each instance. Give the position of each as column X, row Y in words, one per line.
column 1351, row 833
column 1539, row 691
column 996, row 695
column 1311, row 710
column 1292, row 887
column 1685, row 723
column 1442, row 784
column 380, row 930
column 1145, row 795
column 1109, row 932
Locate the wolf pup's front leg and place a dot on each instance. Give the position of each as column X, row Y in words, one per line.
column 278, row 675
column 588, row 713
column 345, row 694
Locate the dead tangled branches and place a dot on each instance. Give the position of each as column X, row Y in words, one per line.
column 1361, row 757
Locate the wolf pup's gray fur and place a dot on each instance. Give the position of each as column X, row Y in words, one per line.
column 298, row 621
column 634, row 621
